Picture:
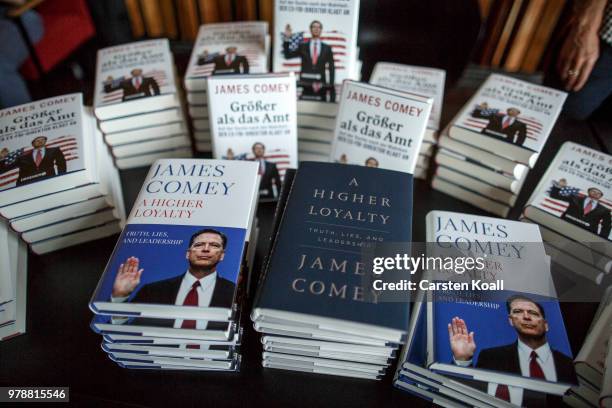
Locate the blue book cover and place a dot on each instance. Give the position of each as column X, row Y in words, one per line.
column 316, row 269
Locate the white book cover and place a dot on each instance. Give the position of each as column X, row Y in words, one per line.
column 43, row 148
column 577, row 189
column 316, row 40
column 414, row 79
column 190, row 221
column 379, row 127
column 227, row 48
column 519, row 113
column 7, row 292
column 18, row 251
column 134, row 78
column 254, row 118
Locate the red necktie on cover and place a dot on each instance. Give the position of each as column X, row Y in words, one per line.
column 506, row 122
column 137, row 83
column 535, row 371
column 38, row 158
column 502, row 392
column 191, row 300
column 315, row 53
column 262, row 168
column 588, row 207
column 228, row 59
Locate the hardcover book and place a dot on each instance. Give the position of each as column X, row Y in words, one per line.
column 43, row 149
column 379, row 127
column 509, row 117
column 189, row 226
column 134, row 78
column 314, row 276
column 254, row 118
column 316, row 40
column 227, row 48
column 573, row 196
column 414, row 79
column 13, row 313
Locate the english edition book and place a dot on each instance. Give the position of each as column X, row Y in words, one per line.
column 574, row 196
column 509, row 117
column 134, row 78
column 414, row 79
column 314, row 275
column 190, row 222
column 254, row 118
column 227, row 48
column 316, row 40
column 43, row 149
column 379, row 127
column 489, row 333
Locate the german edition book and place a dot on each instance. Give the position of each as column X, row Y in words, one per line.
column 380, row 127
column 134, row 78
column 509, row 117
column 190, row 222
column 254, row 118
column 318, row 41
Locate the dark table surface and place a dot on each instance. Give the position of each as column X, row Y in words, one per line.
column 59, row 348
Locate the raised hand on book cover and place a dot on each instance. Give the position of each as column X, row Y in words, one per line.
column 461, row 341
column 127, row 278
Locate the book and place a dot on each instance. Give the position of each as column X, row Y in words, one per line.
column 144, row 120
column 576, row 177
column 134, row 78
column 509, row 117
column 227, row 48
column 475, row 333
column 424, row 81
column 178, row 215
column 322, row 67
column 145, row 134
column 605, row 398
column 379, row 127
column 15, row 311
column 253, row 118
column 469, row 196
column 590, row 361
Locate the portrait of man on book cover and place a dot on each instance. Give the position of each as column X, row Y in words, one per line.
column 231, row 62
column 586, row 211
column 199, row 280
column 317, row 67
column 529, row 353
column 134, row 86
column 504, row 125
column 28, row 165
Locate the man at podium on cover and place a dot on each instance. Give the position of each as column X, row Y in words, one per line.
column 41, row 163
column 270, row 183
column 134, row 87
column 529, row 356
column 503, row 126
column 230, row 63
column 200, row 285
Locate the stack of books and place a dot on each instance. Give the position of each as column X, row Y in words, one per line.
column 13, row 283
column 493, row 335
column 487, row 150
column 316, row 312
column 571, row 204
column 59, row 187
column 172, row 293
column 222, row 49
column 137, row 103
column 421, row 81
column 594, row 361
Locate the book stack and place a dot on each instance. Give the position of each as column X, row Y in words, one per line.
column 571, row 204
column 13, row 283
column 137, row 103
column 474, row 346
column 172, row 293
column 320, row 47
column 487, row 150
column 315, row 310
column 222, row 49
column 421, row 81
column 594, row 361
column 59, row 185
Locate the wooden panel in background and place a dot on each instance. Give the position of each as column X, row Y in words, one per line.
column 495, row 24
column 266, row 13
column 169, row 18
column 209, row 11
column 246, row 10
column 485, row 8
column 152, row 18
column 504, row 38
column 525, row 33
column 188, row 19
column 542, row 36
column 226, row 11
column 135, row 17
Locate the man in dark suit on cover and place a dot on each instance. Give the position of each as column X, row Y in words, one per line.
column 41, row 163
column 503, row 126
column 137, row 86
column 586, row 212
column 318, row 69
column 199, row 286
column 529, row 356
column 270, row 183
column 230, row 63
